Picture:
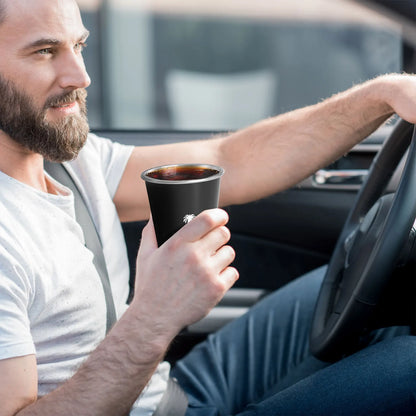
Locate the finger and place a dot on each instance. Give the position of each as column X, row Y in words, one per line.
column 229, row 276
column 205, row 222
column 215, row 239
column 223, row 258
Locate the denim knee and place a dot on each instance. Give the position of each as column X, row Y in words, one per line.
column 399, row 356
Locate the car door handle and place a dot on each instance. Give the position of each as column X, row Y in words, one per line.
column 340, row 177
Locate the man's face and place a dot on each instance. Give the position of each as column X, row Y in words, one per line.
column 57, row 140
column 43, row 77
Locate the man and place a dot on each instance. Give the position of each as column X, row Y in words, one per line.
column 55, row 358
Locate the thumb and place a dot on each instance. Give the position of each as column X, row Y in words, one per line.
column 148, row 242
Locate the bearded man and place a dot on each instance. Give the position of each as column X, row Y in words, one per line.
column 55, row 356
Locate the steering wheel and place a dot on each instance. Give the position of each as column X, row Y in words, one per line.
column 374, row 235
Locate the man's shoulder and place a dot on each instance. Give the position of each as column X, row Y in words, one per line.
column 102, row 150
column 96, row 144
column 91, row 151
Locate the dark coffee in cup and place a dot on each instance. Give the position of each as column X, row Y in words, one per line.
column 177, row 193
column 182, row 173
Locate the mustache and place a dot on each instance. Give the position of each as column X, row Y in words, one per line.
column 79, row 95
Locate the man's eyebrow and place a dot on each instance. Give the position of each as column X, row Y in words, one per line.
column 52, row 41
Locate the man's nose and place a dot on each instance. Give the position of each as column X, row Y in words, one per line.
column 72, row 72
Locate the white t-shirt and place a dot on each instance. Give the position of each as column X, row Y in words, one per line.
column 52, row 303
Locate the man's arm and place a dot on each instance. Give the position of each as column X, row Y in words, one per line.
column 18, row 380
column 192, row 268
column 277, row 153
column 107, row 384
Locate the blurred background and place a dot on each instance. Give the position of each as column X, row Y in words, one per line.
column 224, row 64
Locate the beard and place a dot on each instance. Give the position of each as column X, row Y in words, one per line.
column 27, row 125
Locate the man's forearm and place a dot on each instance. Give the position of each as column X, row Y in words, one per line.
column 277, row 153
column 111, row 378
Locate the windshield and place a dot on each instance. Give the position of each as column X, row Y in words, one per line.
column 224, row 64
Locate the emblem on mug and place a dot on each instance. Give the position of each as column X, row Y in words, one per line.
column 188, row 218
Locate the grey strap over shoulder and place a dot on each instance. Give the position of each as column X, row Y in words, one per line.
column 92, row 238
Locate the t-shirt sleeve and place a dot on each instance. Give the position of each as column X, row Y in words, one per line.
column 114, row 157
column 15, row 299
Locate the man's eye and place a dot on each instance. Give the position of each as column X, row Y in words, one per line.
column 80, row 46
column 44, row 51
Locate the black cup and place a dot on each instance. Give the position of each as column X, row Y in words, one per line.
column 178, row 193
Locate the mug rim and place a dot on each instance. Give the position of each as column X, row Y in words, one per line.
column 219, row 172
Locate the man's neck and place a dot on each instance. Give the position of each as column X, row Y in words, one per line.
column 23, row 165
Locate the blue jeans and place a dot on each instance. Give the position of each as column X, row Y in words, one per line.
column 260, row 364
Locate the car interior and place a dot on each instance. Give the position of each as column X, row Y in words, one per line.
column 196, row 70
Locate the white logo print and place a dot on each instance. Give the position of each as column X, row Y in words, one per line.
column 188, row 218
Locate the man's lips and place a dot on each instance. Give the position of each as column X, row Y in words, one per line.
column 67, row 108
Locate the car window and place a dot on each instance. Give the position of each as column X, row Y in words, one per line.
column 223, row 64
